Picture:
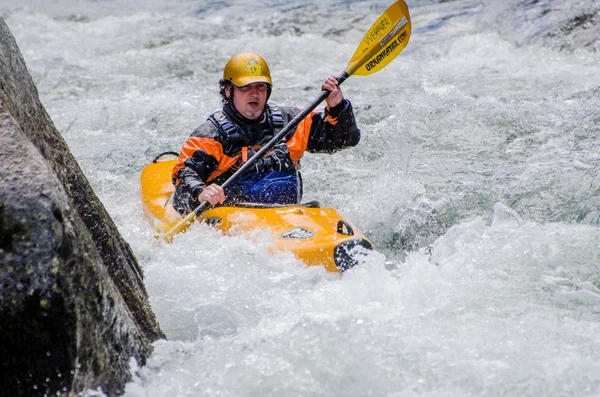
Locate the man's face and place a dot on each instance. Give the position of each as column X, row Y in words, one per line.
column 250, row 99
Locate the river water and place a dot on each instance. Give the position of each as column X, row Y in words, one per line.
column 476, row 179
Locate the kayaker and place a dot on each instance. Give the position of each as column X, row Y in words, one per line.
column 246, row 122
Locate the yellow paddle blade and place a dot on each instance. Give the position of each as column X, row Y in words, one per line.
column 387, row 38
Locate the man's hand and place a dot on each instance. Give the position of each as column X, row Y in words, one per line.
column 336, row 96
column 213, row 194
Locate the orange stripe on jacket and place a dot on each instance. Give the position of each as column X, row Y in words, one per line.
column 331, row 120
column 194, row 143
column 299, row 141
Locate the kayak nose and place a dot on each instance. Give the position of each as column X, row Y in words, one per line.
column 344, row 254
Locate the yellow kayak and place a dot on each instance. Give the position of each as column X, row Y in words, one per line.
column 315, row 235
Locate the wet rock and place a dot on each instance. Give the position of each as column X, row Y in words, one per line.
column 73, row 307
column 580, row 31
column 561, row 25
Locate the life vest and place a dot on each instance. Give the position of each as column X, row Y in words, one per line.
column 272, row 187
column 229, row 129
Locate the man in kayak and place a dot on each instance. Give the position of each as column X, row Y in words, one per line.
column 231, row 136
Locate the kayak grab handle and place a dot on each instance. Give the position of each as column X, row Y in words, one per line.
column 165, row 154
column 344, row 228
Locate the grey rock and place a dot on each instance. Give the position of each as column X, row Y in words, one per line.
column 563, row 25
column 581, row 31
column 73, row 307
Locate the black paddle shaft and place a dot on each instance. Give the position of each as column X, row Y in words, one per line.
column 276, row 139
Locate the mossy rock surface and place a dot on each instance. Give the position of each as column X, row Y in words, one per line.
column 73, row 306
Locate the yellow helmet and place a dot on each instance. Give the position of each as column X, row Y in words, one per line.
column 247, row 68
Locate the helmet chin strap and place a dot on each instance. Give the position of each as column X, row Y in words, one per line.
column 231, row 103
column 269, row 89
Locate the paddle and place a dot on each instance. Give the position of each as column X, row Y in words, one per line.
column 383, row 42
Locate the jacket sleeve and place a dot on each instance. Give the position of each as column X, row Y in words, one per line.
column 333, row 130
column 197, row 160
